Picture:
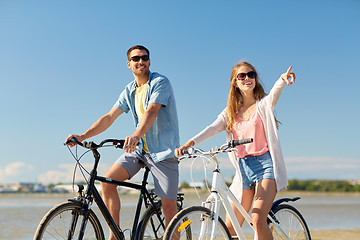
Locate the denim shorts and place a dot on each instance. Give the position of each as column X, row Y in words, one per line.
column 255, row 168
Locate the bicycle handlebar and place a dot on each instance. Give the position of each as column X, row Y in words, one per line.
column 234, row 143
column 118, row 143
column 227, row 147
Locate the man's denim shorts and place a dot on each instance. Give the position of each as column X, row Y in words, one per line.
column 255, row 168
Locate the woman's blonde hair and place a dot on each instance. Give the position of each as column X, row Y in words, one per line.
column 235, row 98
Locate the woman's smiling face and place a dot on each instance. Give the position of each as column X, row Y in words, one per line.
column 247, row 84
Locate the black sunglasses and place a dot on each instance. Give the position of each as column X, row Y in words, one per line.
column 242, row 76
column 137, row 58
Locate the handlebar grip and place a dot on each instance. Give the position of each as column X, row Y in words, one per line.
column 188, row 151
column 234, row 143
column 185, row 151
column 73, row 140
column 118, row 143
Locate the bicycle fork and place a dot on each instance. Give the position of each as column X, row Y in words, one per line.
column 213, row 203
column 75, row 218
column 85, row 213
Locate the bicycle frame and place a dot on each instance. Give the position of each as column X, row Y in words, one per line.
column 144, row 196
column 93, row 194
column 220, row 193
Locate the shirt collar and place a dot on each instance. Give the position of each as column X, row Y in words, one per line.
column 133, row 85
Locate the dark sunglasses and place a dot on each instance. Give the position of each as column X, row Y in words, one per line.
column 137, row 58
column 242, row 76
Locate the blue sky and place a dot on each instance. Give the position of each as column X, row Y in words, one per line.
column 63, row 65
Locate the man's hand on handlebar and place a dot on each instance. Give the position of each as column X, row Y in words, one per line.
column 78, row 137
column 130, row 143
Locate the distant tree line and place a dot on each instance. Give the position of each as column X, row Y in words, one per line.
column 312, row 185
column 323, row 186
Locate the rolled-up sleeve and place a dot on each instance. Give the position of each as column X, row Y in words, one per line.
column 121, row 103
column 161, row 92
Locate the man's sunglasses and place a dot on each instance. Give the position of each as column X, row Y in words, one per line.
column 242, row 76
column 137, row 58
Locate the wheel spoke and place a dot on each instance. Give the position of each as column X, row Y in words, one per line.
column 195, row 223
column 291, row 223
column 64, row 220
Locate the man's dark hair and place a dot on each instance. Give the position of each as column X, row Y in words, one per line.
column 137, row 47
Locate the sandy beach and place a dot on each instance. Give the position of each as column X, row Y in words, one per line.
column 331, row 235
column 335, row 234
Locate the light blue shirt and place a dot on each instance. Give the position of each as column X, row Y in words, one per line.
column 163, row 137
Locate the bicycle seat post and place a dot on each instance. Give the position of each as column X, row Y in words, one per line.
column 146, row 174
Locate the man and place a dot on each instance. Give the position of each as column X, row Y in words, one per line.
column 150, row 99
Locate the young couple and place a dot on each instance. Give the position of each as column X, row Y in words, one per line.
column 260, row 169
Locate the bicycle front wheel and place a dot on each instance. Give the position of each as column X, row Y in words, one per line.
column 151, row 226
column 64, row 221
column 195, row 223
column 291, row 223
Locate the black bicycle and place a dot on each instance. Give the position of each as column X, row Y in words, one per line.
column 75, row 219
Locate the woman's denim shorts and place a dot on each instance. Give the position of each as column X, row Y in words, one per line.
column 255, row 168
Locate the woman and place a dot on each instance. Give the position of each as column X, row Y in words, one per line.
column 260, row 167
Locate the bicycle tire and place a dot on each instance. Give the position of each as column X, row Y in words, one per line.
column 291, row 222
column 150, row 227
column 192, row 218
column 56, row 224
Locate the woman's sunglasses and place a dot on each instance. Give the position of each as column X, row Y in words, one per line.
column 242, row 76
column 137, row 58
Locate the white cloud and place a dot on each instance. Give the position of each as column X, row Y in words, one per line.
column 65, row 173
column 16, row 172
column 15, row 169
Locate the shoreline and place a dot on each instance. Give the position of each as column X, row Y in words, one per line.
column 183, row 190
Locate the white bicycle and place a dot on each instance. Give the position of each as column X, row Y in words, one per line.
column 204, row 222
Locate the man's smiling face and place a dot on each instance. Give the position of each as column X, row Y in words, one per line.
column 138, row 66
